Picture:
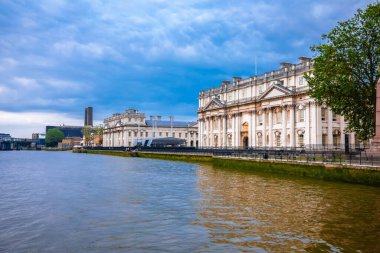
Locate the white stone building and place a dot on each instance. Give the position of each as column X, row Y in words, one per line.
column 124, row 130
column 271, row 110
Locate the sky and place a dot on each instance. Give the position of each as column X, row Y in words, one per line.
column 58, row 57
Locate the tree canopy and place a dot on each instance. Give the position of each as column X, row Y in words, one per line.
column 346, row 70
column 53, row 136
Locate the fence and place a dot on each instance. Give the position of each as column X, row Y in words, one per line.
column 357, row 156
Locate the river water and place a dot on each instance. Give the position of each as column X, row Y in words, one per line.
column 65, row 202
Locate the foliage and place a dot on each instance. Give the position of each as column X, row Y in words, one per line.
column 345, row 70
column 87, row 134
column 53, row 136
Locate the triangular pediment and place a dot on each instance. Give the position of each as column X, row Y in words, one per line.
column 275, row 90
column 215, row 103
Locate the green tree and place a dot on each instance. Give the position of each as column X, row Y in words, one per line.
column 345, row 70
column 53, row 136
column 99, row 132
column 87, row 134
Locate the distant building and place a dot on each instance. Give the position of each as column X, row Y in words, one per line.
column 68, row 131
column 5, row 137
column 88, row 116
column 70, row 142
column 125, row 130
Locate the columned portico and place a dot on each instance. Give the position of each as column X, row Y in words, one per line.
column 270, row 110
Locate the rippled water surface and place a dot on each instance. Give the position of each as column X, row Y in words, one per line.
column 64, row 202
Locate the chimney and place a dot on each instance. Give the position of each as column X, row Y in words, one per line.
column 304, row 59
column 224, row 82
column 151, row 118
column 158, row 118
column 236, row 79
column 285, row 65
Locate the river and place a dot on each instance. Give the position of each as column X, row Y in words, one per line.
column 65, row 202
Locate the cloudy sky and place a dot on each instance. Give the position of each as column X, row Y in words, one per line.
column 57, row 56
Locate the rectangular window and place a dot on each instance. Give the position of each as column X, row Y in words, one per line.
column 179, row 135
column 167, row 134
column 185, row 135
column 129, row 134
column 141, row 134
column 300, row 80
column 261, row 88
column 173, row 135
column 324, row 114
column 278, row 117
column 160, row 134
column 324, row 139
column 302, row 115
column 334, row 117
column 300, row 140
column 146, row 134
column 260, row 120
column 278, row 140
column 135, row 134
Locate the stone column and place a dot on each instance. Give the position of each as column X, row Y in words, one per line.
column 220, row 136
column 314, row 129
column 238, row 119
column 307, row 125
column 292, row 126
column 224, row 131
column 200, row 131
column 233, row 118
column 319, row 126
column 254, row 123
column 264, row 134
column 341, row 129
column 250, row 129
column 207, row 132
column 283, row 121
column 270, row 144
column 329, row 129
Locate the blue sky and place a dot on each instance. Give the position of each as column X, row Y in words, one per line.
column 57, row 56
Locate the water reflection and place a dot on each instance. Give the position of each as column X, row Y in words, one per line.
column 247, row 212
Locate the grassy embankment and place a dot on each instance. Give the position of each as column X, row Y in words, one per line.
column 329, row 173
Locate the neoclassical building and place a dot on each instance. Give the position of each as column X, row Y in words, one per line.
column 270, row 110
column 126, row 129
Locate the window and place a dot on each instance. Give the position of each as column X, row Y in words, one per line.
column 260, row 140
column 300, row 80
column 167, row 134
column 278, row 115
column 129, row 134
column 173, row 134
column 324, row 114
column 324, row 139
column 160, row 134
column 278, row 140
column 302, row 115
column 179, row 135
column 334, row 117
column 129, row 119
column 141, row 134
column 261, row 88
column 260, row 119
column 146, row 134
column 300, row 140
column 185, row 135
column 135, row 134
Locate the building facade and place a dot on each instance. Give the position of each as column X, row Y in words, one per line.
column 271, row 110
column 125, row 130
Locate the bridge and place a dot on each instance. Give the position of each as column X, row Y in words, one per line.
column 10, row 143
